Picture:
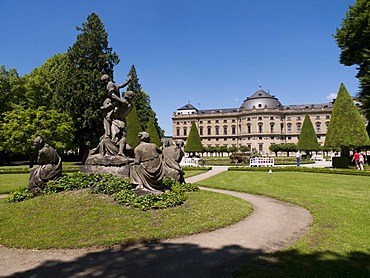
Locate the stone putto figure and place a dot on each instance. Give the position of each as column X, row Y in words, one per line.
column 113, row 144
column 49, row 168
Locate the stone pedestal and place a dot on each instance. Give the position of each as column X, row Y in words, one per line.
column 119, row 171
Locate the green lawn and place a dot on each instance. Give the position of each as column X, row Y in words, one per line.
column 79, row 219
column 338, row 244
column 12, row 182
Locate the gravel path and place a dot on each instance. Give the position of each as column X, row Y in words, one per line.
column 273, row 226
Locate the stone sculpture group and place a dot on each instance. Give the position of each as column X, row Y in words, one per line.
column 145, row 166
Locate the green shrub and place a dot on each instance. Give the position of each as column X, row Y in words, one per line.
column 19, row 195
column 110, row 184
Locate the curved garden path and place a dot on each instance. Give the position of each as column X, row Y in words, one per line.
column 272, row 226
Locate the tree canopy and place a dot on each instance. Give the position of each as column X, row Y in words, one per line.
column 21, row 126
column 307, row 138
column 353, row 39
column 193, row 142
column 346, row 127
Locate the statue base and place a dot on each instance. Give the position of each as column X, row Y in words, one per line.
column 119, row 171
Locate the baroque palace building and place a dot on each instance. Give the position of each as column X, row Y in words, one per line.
column 260, row 121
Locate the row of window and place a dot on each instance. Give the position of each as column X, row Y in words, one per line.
column 249, row 129
column 289, row 118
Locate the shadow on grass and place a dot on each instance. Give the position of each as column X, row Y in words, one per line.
column 291, row 263
column 188, row 260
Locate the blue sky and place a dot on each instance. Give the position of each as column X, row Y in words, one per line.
column 210, row 53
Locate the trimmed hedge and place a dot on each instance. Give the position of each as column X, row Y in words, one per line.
column 303, row 169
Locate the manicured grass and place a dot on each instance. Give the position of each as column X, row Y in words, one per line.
column 338, row 244
column 12, row 182
column 79, row 219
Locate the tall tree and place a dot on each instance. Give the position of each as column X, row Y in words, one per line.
column 89, row 58
column 194, row 143
column 353, row 39
column 346, row 127
column 307, row 138
column 10, row 92
column 154, row 137
column 133, row 128
column 46, row 84
column 142, row 103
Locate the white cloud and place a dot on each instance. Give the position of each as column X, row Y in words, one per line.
column 332, row 96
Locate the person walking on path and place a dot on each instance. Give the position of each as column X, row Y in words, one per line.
column 298, row 157
column 356, row 158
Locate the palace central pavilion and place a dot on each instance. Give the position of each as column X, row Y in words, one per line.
column 260, row 121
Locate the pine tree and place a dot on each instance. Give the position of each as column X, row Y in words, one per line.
column 307, row 138
column 154, row 137
column 193, row 143
column 346, row 127
column 142, row 103
column 88, row 59
column 133, row 128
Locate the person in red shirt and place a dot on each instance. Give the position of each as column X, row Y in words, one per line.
column 356, row 158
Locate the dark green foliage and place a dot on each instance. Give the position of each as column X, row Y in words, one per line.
column 142, row 103
column 151, row 129
column 307, row 138
column 353, row 39
column 133, row 128
column 283, row 147
column 346, row 127
column 193, row 143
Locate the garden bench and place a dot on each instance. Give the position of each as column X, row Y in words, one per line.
column 261, row 161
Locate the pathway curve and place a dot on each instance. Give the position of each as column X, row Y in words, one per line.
column 272, row 226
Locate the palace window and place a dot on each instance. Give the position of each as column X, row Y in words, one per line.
column 318, row 127
column 201, row 130
column 233, row 130
column 225, row 130
column 299, row 126
column 217, row 130
column 209, row 132
column 177, row 132
column 185, row 131
column 260, row 127
column 249, row 128
column 289, row 128
column 272, row 127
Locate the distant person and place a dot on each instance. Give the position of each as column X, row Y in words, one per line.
column 298, row 157
column 361, row 162
column 356, row 159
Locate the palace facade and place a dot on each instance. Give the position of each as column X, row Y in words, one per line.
column 260, row 121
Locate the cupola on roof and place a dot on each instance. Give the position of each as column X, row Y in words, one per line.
column 260, row 100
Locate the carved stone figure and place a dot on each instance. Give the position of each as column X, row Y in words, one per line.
column 113, row 149
column 171, row 161
column 146, row 173
column 49, row 168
